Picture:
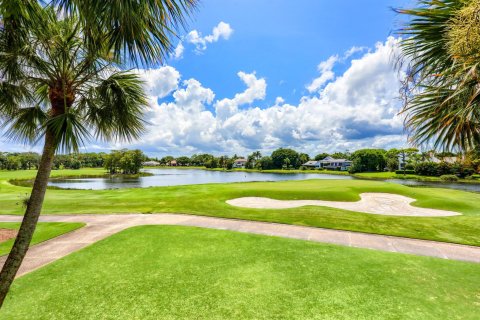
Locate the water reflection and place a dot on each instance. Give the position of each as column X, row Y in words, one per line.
column 175, row 177
column 433, row 184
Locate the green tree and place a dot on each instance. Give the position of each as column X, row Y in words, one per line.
column 278, row 157
column 340, row 155
column 441, row 46
column 166, row 160
column 183, row 161
column 256, row 155
column 391, row 159
column 368, row 160
column 264, row 163
column 302, row 158
column 59, row 65
column 321, row 156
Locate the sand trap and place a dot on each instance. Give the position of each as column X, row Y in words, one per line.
column 7, row 234
column 376, row 203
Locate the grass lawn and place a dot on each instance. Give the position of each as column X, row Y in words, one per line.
column 165, row 272
column 44, row 231
column 209, row 200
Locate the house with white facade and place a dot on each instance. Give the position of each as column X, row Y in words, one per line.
column 239, row 163
column 330, row 163
column 312, row 164
column 151, row 163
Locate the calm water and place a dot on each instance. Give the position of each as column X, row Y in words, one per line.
column 176, row 177
column 448, row 185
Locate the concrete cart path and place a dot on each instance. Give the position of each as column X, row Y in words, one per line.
column 101, row 226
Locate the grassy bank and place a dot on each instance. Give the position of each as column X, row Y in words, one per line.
column 210, row 200
column 164, row 272
column 44, row 231
column 393, row 175
column 361, row 175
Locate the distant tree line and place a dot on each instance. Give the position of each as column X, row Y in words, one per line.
column 363, row 160
column 118, row 161
column 428, row 163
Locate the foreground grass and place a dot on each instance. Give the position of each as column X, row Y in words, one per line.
column 44, row 231
column 209, row 200
column 164, row 272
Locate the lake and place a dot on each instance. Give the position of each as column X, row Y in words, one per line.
column 177, row 177
column 449, row 185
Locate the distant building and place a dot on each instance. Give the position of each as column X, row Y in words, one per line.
column 239, row 163
column 402, row 160
column 312, row 164
column 449, row 160
column 173, row 163
column 335, row 164
column 151, row 163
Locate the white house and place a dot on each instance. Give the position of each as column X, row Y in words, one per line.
column 335, row 164
column 239, row 163
column 312, row 164
column 151, row 163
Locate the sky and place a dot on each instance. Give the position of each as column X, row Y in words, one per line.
column 246, row 75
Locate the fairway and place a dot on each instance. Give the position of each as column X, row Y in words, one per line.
column 160, row 272
column 210, row 200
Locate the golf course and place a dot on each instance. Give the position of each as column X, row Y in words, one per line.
column 285, row 277
column 210, row 200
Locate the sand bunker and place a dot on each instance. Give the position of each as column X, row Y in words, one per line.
column 7, row 234
column 375, row 203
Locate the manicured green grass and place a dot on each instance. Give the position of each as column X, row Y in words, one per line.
column 44, row 231
column 210, row 200
column 165, row 272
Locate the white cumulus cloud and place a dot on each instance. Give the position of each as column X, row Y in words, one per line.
column 352, row 110
column 178, row 51
column 160, row 82
column 256, row 90
column 221, row 31
column 326, row 74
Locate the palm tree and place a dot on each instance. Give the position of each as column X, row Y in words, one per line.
column 61, row 80
column 257, row 155
column 441, row 47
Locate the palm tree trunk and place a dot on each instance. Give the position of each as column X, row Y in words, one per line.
column 29, row 222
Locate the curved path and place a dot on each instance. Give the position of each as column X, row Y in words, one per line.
column 375, row 203
column 101, row 226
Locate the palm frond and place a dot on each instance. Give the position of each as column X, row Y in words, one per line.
column 440, row 91
column 141, row 31
column 115, row 107
column 68, row 130
column 26, row 125
column 12, row 96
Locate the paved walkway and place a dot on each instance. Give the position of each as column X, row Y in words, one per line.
column 101, row 226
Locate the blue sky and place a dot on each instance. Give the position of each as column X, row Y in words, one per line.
column 283, row 40
column 247, row 75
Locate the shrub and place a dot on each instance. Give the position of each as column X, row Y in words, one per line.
column 461, row 171
column 444, row 168
column 449, row 177
column 427, row 169
column 410, row 167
